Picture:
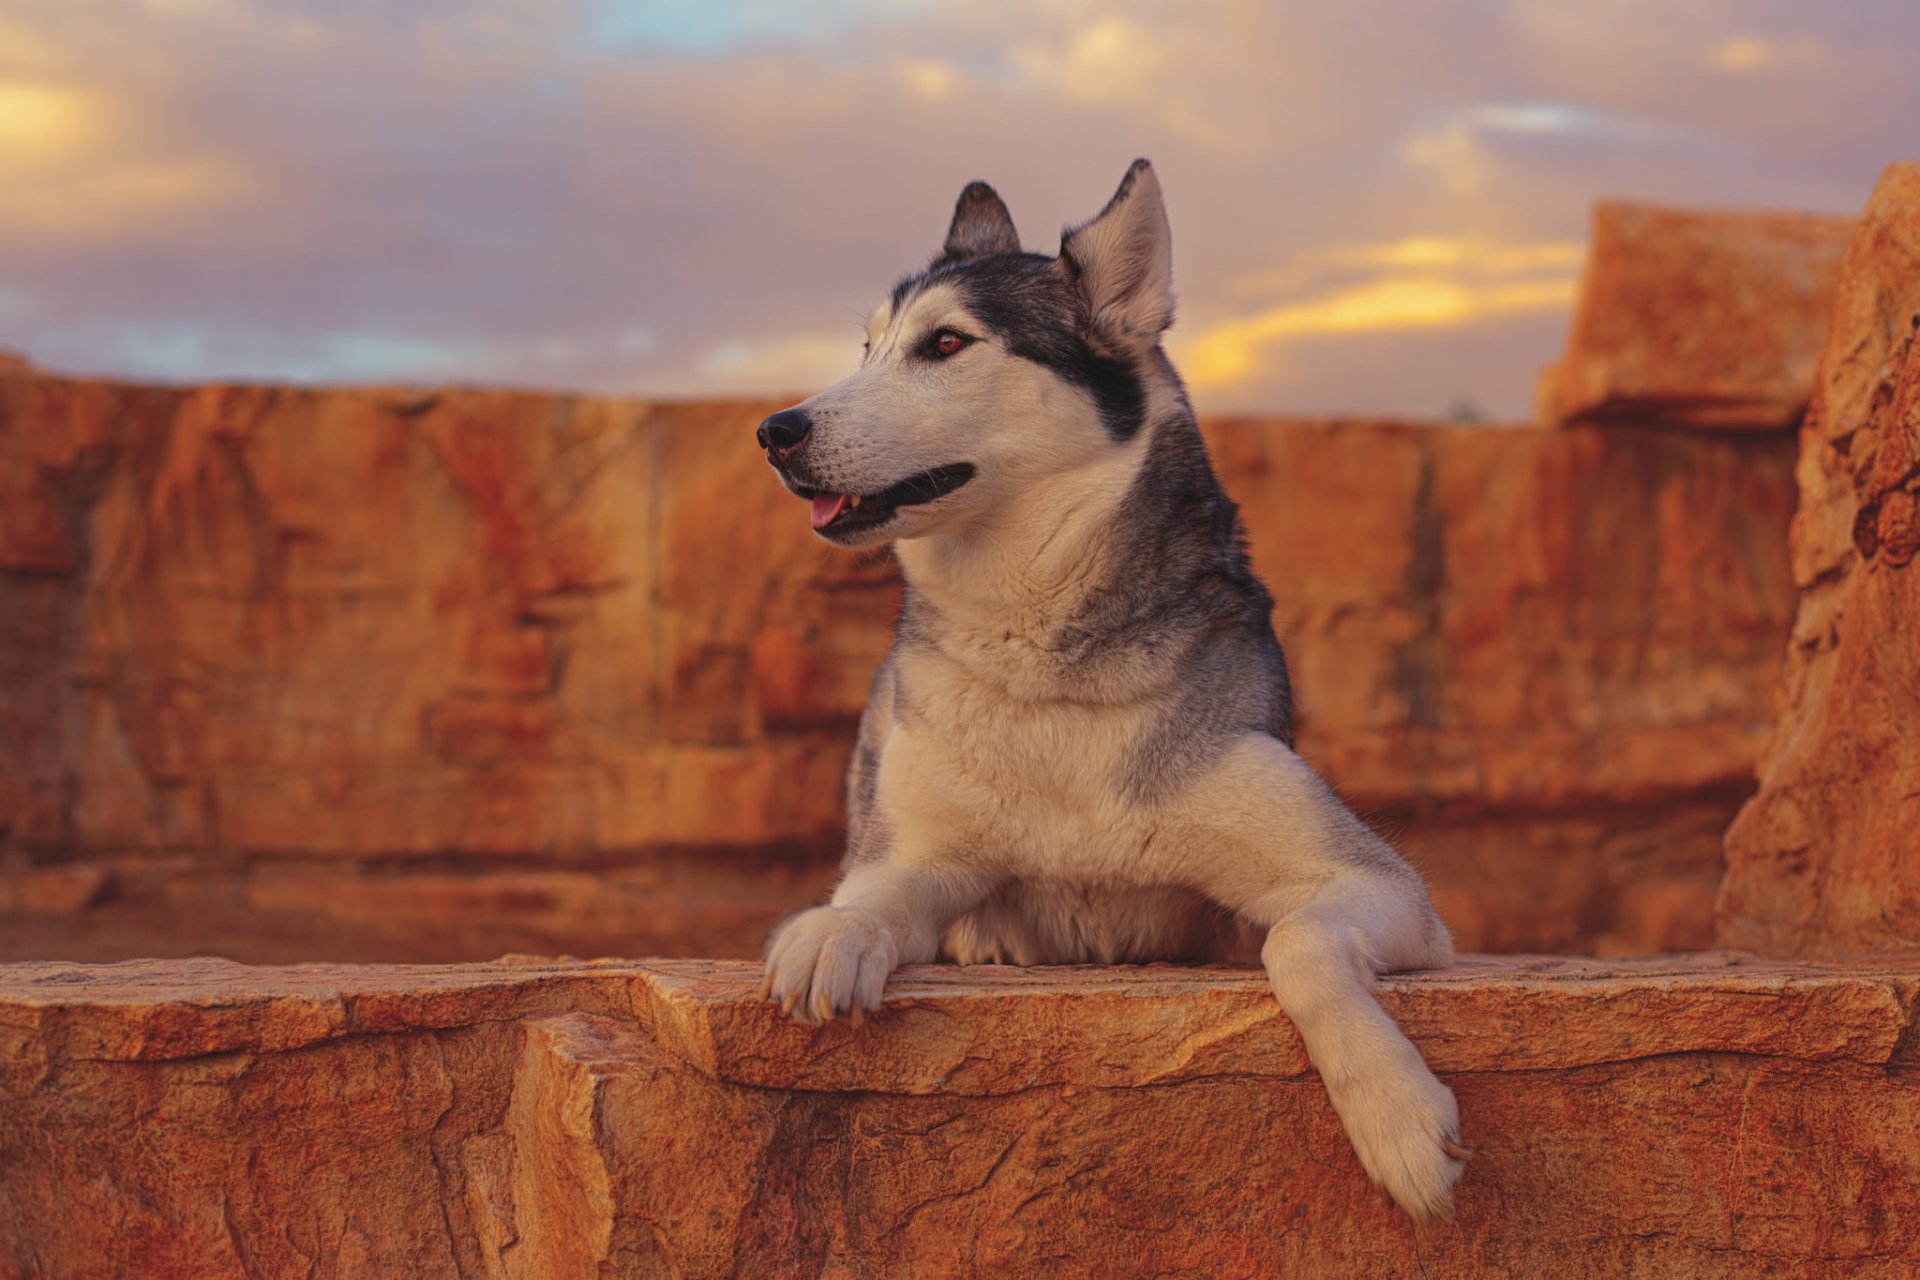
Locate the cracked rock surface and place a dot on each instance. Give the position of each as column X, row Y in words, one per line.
column 1825, row 860
column 1701, row 1116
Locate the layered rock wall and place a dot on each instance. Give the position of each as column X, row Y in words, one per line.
column 1539, row 660
column 382, row 674
column 1825, row 860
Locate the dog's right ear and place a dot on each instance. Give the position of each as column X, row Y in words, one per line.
column 981, row 227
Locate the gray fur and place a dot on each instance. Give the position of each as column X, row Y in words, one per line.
column 1080, row 748
column 865, row 831
column 981, row 226
column 1180, row 598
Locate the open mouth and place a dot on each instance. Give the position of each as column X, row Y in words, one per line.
column 839, row 513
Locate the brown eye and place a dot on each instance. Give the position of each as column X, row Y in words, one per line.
column 947, row 342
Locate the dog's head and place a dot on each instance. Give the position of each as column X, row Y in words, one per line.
column 988, row 373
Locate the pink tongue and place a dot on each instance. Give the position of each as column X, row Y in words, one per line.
column 826, row 506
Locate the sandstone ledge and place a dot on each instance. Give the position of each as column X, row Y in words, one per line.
column 1706, row 1115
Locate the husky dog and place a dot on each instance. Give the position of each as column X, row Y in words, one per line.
column 1080, row 747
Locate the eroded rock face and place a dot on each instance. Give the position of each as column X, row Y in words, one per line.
column 390, row 675
column 1825, row 859
column 420, row 674
column 1710, row 1117
column 1703, row 320
column 1538, row 660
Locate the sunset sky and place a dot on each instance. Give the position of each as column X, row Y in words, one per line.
column 1376, row 207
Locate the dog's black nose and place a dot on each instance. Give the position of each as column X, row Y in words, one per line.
column 784, row 430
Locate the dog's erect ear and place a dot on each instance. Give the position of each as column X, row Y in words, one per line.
column 1122, row 262
column 981, row 228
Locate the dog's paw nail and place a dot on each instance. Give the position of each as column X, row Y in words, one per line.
column 791, row 1003
column 1453, row 1148
column 823, row 1008
column 857, row 1015
column 765, row 990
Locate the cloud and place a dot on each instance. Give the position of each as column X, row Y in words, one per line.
column 80, row 166
column 1110, row 62
column 1423, row 282
column 799, row 363
column 1753, row 56
column 1743, row 54
column 698, row 198
column 1463, row 149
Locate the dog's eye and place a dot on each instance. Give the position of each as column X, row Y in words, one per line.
column 947, row 343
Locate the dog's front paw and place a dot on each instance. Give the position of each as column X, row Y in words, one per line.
column 1405, row 1127
column 829, row 960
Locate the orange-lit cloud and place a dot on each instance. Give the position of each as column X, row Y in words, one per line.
column 77, row 170
column 1422, row 282
column 40, row 122
column 1378, row 215
column 1747, row 55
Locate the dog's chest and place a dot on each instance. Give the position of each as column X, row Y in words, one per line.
column 1049, row 775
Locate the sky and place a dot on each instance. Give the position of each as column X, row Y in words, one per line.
column 1378, row 208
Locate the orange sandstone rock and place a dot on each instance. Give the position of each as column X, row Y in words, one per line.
column 1825, row 860
column 1708, row 321
column 1703, row 1117
column 1539, row 661
column 335, row 673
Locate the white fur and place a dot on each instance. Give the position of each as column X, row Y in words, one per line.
column 894, row 416
column 1003, row 776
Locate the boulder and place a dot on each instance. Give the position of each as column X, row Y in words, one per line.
column 1699, row 320
column 1702, row 1117
column 1825, row 859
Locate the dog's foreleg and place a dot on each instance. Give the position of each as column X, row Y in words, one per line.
column 1402, row 1121
column 837, row 958
column 1340, row 907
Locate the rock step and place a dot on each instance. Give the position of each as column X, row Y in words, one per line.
column 1709, row 1115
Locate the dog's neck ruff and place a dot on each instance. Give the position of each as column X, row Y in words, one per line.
column 1030, row 567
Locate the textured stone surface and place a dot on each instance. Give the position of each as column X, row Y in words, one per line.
column 1704, row 320
column 400, row 675
column 295, row 674
column 400, row 624
column 1540, row 661
column 1825, row 860
column 1702, row 1117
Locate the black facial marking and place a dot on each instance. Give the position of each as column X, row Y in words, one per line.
column 1032, row 306
column 1028, row 302
column 905, row 287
